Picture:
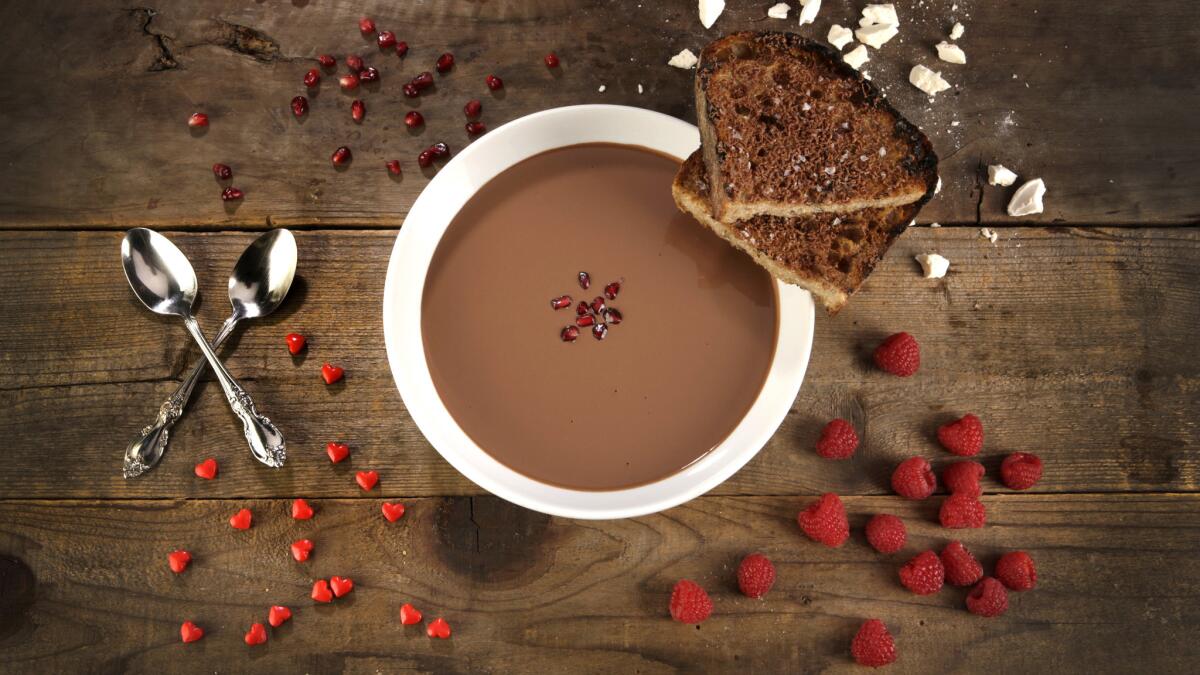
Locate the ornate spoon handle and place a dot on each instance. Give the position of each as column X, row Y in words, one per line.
column 144, row 452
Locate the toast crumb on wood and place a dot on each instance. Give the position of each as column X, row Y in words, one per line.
column 789, row 130
column 829, row 254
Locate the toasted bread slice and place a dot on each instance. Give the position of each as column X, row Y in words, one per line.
column 788, row 129
column 829, row 254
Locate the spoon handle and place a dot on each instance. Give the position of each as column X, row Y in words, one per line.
column 144, row 452
column 266, row 442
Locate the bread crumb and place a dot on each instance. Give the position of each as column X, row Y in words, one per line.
column 935, row 224
column 957, row 31
column 779, row 11
column 808, row 10
column 950, row 53
column 601, row 88
column 926, row 80
column 640, row 90
column 839, row 37
column 876, row 35
column 1027, row 200
column 879, row 14
column 999, row 175
column 989, row 234
column 685, row 59
column 710, row 10
column 856, row 57
column 933, row 265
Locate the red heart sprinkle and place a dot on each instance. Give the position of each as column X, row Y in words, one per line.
column 340, row 585
column 178, row 560
column 278, row 615
column 393, row 512
column 295, row 342
column 190, row 632
column 366, row 479
column 438, row 628
column 337, row 452
column 241, row 519
column 207, row 469
column 301, row 510
column 331, row 374
column 321, row 592
column 256, row 635
column 409, row 614
column 301, row 548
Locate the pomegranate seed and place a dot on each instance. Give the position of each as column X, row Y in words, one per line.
column 348, row 81
column 231, row 193
column 445, row 62
column 494, row 83
column 354, row 62
column 473, row 108
column 326, row 61
column 366, row 25
column 222, row 171
column 423, row 80
column 299, row 106
column 582, row 308
column 440, row 150
column 312, row 77
column 475, row 128
column 585, row 280
column 410, row 90
column 369, row 74
column 357, row 110
column 341, row 156
column 612, row 316
column 425, row 159
column 600, row 331
column 598, row 304
column 386, row 39
column 394, row 167
column 561, row 302
column 584, row 321
column 552, row 62
column 198, row 120
column 414, row 119
column 401, row 48
column 612, row 289
column 570, row 333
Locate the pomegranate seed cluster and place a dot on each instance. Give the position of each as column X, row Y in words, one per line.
column 596, row 315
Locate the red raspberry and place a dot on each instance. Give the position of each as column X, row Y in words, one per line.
column 960, row 511
column 963, row 437
column 689, row 602
column 923, row 574
column 755, row 575
column 1015, row 569
column 962, row 569
column 988, row 598
column 962, row 478
column 914, row 478
column 873, row 646
column 886, row 533
column 838, row 440
column 899, row 355
column 825, row 521
column 1020, row 470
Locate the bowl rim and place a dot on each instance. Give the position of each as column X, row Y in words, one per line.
column 404, row 286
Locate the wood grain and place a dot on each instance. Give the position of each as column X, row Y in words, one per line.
column 1113, row 137
column 1075, row 344
column 88, row 588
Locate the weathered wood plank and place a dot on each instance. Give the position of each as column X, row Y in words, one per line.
column 1076, row 344
column 87, row 588
column 1113, row 137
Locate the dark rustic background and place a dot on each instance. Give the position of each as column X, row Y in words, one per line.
column 1073, row 336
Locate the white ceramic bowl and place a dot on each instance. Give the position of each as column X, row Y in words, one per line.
column 427, row 221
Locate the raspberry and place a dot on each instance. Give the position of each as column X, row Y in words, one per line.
column 960, row 511
column 914, row 479
column 899, row 355
column 886, row 533
column 1020, row 470
column 923, row 574
column 824, row 521
column 963, row 437
column 689, row 602
column 1015, row 569
column 873, row 646
column 838, row 440
column 963, row 478
column 755, row 575
column 988, row 598
column 962, row 569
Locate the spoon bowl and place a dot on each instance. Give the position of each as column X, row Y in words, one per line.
column 158, row 272
column 263, row 275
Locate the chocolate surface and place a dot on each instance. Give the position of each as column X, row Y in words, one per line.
column 666, row 385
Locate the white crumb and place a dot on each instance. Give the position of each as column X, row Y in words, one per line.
column 808, row 10
column 885, row 14
column 856, row 57
column 1027, row 200
column 989, row 234
column 935, row 224
column 779, row 11
column 684, row 59
column 951, row 53
column 957, row 31
column 934, row 265
column 601, row 88
column 640, row 90
column 710, row 10
column 876, row 35
column 938, row 188
column 839, row 37
column 926, row 80
column 999, row 175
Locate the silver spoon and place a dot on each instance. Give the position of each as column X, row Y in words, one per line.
column 163, row 279
column 259, row 282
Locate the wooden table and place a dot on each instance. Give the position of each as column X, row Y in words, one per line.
column 1073, row 336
